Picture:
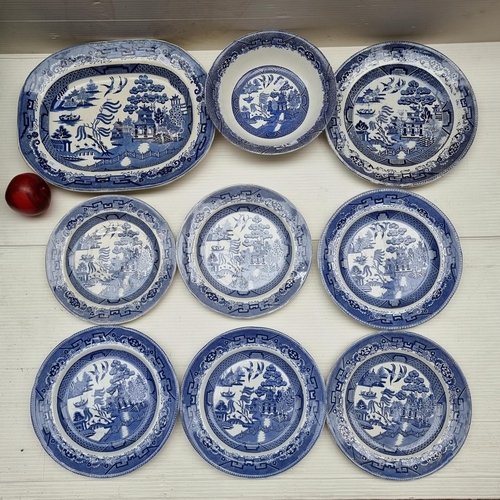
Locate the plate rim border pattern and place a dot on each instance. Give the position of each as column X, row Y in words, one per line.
column 332, row 129
column 76, row 344
column 210, row 297
column 428, row 351
column 239, row 47
column 208, row 356
column 106, row 52
column 355, row 307
column 85, row 309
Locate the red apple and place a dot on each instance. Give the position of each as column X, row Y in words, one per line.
column 28, row 194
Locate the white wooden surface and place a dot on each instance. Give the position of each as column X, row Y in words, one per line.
column 32, row 322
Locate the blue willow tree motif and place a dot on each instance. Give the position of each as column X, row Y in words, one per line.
column 261, row 410
column 99, row 129
column 403, row 406
column 119, row 401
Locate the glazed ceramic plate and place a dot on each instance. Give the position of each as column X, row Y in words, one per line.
column 270, row 92
column 253, row 402
column 390, row 259
column 398, row 405
column 405, row 114
column 104, row 401
column 244, row 251
column 110, row 259
column 112, row 116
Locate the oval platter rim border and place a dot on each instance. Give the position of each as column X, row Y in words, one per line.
column 151, row 176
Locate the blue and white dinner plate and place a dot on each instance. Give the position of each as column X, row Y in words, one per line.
column 405, row 114
column 244, row 251
column 104, row 401
column 116, row 115
column 398, row 405
column 390, row 259
column 110, row 259
column 270, row 92
column 253, row 402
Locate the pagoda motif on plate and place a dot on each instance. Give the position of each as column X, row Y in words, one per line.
column 396, row 407
column 113, row 259
column 270, row 101
column 107, row 401
column 254, row 402
column 401, row 120
column 389, row 260
column 245, row 251
column 110, row 122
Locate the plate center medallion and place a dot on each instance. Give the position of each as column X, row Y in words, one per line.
column 389, row 259
column 399, row 407
column 399, row 116
column 111, row 122
column 112, row 259
column 256, row 403
column 244, row 250
column 107, row 401
column 270, row 101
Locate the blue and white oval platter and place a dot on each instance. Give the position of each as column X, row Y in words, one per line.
column 114, row 116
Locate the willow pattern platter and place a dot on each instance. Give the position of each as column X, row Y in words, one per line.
column 244, row 251
column 111, row 116
column 110, row 259
column 405, row 114
column 253, row 402
column 398, row 405
column 390, row 259
column 270, row 92
column 104, row 401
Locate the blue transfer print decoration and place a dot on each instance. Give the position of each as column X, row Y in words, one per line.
column 104, row 401
column 399, row 406
column 111, row 116
column 405, row 114
column 244, row 251
column 390, row 259
column 270, row 101
column 270, row 92
column 253, row 402
column 110, row 259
